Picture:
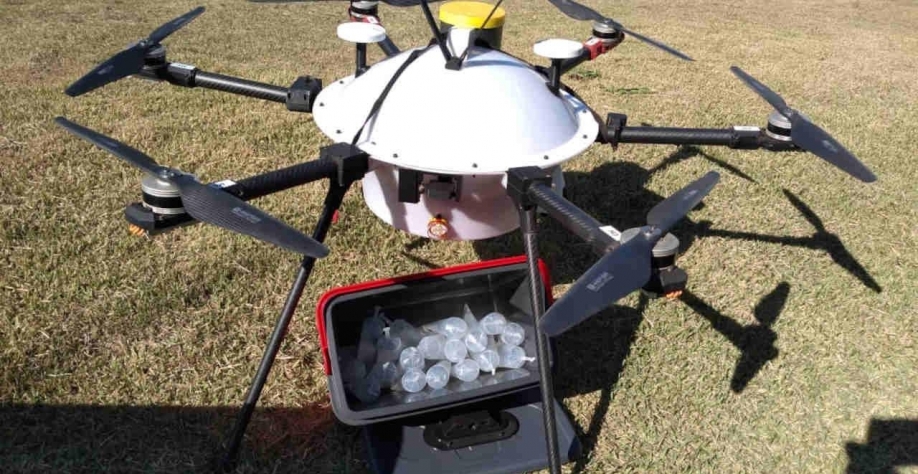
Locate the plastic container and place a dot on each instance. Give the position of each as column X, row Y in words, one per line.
column 420, row 300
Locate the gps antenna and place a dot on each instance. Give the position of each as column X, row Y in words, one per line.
column 436, row 31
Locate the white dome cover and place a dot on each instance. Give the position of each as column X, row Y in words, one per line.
column 494, row 114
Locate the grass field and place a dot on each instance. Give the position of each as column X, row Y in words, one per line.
column 795, row 350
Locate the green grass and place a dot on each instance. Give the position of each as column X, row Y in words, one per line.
column 123, row 354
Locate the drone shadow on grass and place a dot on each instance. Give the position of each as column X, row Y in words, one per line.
column 756, row 342
column 615, row 192
column 583, row 369
column 890, row 444
column 88, row 438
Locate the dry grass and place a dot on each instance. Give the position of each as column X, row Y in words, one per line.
column 121, row 354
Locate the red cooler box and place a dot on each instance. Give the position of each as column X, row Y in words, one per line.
column 492, row 425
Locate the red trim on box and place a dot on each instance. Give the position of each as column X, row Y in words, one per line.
column 370, row 285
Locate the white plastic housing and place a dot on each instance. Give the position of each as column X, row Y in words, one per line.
column 494, row 114
column 359, row 32
column 558, row 48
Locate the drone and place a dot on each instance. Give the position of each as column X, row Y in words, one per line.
column 453, row 140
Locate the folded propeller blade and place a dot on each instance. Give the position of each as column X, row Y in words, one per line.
column 207, row 203
column 807, row 135
column 176, row 24
column 615, row 276
column 584, row 13
column 627, row 268
column 131, row 60
column 666, row 214
column 126, row 153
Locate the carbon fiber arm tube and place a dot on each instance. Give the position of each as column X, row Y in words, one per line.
column 283, row 179
column 388, row 47
column 572, row 218
column 244, row 87
column 679, row 136
column 571, row 63
column 536, row 294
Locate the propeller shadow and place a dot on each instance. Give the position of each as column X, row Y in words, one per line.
column 821, row 239
column 582, row 369
column 688, row 152
column 755, row 342
column 890, row 444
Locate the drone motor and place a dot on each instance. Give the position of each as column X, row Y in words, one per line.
column 667, row 279
column 161, row 197
column 365, row 9
column 779, row 127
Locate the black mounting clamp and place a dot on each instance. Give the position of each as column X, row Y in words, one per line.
column 302, row 94
column 352, row 163
column 615, row 123
column 519, row 180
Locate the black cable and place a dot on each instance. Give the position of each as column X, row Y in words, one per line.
column 474, row 33
column 493, row 11
column 385, row 93
column 433, row 28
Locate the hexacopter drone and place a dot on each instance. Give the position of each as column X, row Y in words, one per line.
column 434, row 165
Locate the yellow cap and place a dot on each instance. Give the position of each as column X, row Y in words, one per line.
column 471, row 15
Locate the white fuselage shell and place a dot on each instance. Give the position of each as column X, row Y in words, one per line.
column 494, row 114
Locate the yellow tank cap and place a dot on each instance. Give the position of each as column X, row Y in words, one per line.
column 471, row 15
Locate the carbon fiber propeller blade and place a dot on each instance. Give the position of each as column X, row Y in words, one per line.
column 666, row 214
column 130, row 61
column 812, row 138
column 627, row 268
column 126, row 153
column 763, row 91
column 584, row 13
column 807, row 135
column 616, row 275
column 207, row 203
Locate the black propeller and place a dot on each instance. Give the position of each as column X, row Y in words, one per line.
column 584, row 13
column 807, row 135
column 131, row 60
column 627, row 268
column 207, row 203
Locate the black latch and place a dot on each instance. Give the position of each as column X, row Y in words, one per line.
column 302, row 94
column 181, row 74
column 470, row 429
column 667, row 281
column 520, row 179
column 409, row 186
column 615, row 123
column 351, row 161
column 746, row 138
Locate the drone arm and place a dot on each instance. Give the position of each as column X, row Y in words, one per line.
column 569, row 64
column 572, row 218
column 340, row 163
column 531, row 185
column 372, row 16
column 298, row 97
column 191, row 77
column 239, row 86
column 283, row 179
column 683, row 136
column 596, row 46
column 738, row 137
